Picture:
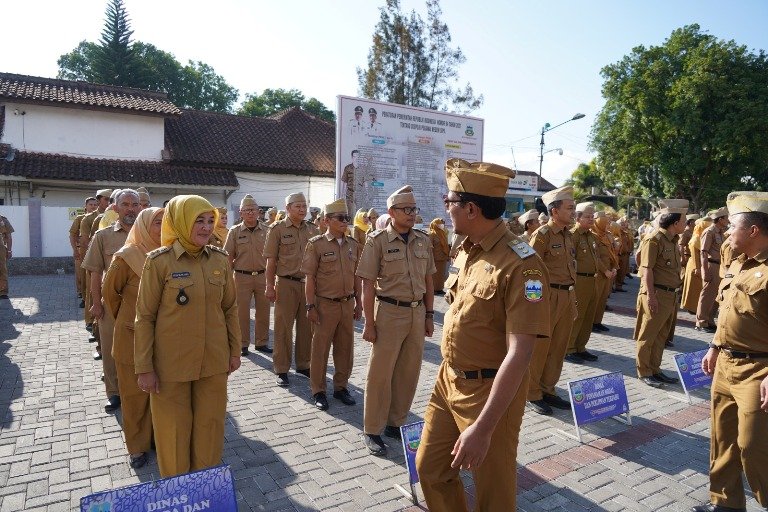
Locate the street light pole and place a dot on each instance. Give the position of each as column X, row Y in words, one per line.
column 547, row 127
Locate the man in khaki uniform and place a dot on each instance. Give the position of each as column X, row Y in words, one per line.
column 607, row 263
column 245, row 246
column 6, row 244
column 659, row 285
column 105, row 243
column 530, row 223
column 284, row 251
column 396, row 267
column 144, row 199
column 587, row 267
column 738, row 359
column 74, row 241
column 499, row 295
column 333, row 301
column 711, row 240
column 102, row 203
column 554, row 245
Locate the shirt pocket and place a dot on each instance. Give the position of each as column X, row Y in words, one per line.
column 479, row 303
column 395, row 263
column 215, row 288
column 288, row 246
column 173, row 288
column 748, row 299
column 328, row 262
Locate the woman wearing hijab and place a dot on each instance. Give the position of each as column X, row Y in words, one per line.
column 383, row 221
column 692, row 283
column 187, row 337
column 360, row 226
column 119, row 291
column 219, row 235
column 372, row 216
column 441, row 252
column 607, row 259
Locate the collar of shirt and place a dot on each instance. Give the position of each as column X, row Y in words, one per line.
column 667, row 234
column 760, row 257
column 178, row 249
column 288, row 222
column 392, row 234
column 328, row 236
column 243, row 227
column 487, row 243
column 554, row 227
column 118, row 226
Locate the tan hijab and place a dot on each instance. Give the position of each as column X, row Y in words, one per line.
column 139, row 242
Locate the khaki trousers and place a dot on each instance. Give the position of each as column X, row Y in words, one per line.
column 3, row 270
column 394, row 366
column 738, row 432
column 188, row 420
column 78, row 277
column 705, row 310
column 652, row 330
column 547, row 360
column 290, row 308
column 673, row 323
column 438, row 278
column 87, row 316
column 623, row 269
column 455, row 405
column 106, row 331
column 137, row 418
column 586, row 301
column 252, row 287
column 335, row 328
column 603, row 285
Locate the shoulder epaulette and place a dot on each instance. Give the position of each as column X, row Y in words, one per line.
column 217, row 249
column 657, row 235
column 317, row 237
column 158, row 251
column 543, row 229
column 377, row 232
column 521, row 248
column 422, row 231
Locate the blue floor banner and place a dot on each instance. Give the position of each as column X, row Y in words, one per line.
column 209, row 489
column 688, row 367
column 597, row 398
column 411, row 436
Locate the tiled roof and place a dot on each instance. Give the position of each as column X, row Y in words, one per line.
column 69, row 92
column 62, row 167
column 289, row 142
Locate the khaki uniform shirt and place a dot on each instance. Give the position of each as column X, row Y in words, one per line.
column 585, row 245
column 496, row 288
column 711, row 241
column 743, row 319
column 659, row 253
column 438, row 253
column 105, row 243
column 119, row 291
column 95, row 225
column 554, row 245
column 286, row 242
column 332, row 264
column 196, row 339
column 606, row 257
column 246, row 246
column 399, row 269
column 85, row 230
column 682, row 244
column 74, row 229
column 5, row 229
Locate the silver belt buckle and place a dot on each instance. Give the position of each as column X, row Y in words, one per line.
column 459, row 373
column 570, row 288
column 415, row 304
column 254, row 273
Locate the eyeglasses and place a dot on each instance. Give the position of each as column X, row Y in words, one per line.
column 408, row 210
column 340, row 218
column 448, row 202
column 248, row 211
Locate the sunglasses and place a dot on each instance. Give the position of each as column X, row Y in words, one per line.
column 408, row 210
column 340, row 218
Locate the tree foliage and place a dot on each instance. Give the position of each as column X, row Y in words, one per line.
column 116, row 60
column 411, row 62
column 584, row 178
column 685, row 119
column 272, row 101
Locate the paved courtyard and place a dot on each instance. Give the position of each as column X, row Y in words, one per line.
column 57, row 444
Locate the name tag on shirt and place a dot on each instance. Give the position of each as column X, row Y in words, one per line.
column 557, row 246
column 389, row 251
column 179, row 275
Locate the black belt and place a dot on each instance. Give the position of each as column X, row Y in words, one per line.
column 403, row 303
column 568, row 287
column 486, row 373
column 666, row 288
column 298, row 279
column 717, row 262
column 582, row 274
column 340, row 299
column 745, row 355
column 249, row 272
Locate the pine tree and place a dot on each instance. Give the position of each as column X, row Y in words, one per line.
column 116, row 61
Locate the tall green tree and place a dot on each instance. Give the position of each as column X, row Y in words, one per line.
column 271, row 101
column 115, row 61
column 584, row 178
column 411, row 62
column 686, row 119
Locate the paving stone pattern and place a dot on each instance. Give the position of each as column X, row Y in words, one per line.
column 57, row 444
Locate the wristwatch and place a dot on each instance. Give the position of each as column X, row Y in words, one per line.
column 309, row 306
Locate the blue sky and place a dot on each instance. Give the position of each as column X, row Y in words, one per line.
column 535, row 61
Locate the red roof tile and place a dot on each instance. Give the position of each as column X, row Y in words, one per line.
column 289, row 142
column 31, row 165
column 25, row 88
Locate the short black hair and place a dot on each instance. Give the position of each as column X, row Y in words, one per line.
column 758, row 219
column 667, row 219
column 690, row 222
column 528, row 222
column 355, row 151
column 491, row 207
column 554, row 204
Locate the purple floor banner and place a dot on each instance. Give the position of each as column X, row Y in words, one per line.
column 210, row 489
column 689, row 369
column 597, row 398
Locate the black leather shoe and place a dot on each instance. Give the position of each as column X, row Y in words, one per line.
column 602, row 328
column 574, row 358
column 704, row 328
column 282, row 380
column 665, row 378
column 652, row 381
column 668, row 343
column 264, row 350
column 304, row 372
column 595, row 329
column 89, row 327
column 4, row 296
column 710, row 507
column 557, row 402
column 539, row 406
column 375, row 444
column 97, row 356
column 244, row 351
column 321, row 401
column 102, row 377
column 91, row 339
column 608, row 308
column 113, row 403
column 82, row 304
column 393, row 432
column 587, row 356
column 344, row 396
column 137, row 461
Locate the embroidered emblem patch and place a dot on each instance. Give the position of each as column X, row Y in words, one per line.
column 534, row 291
